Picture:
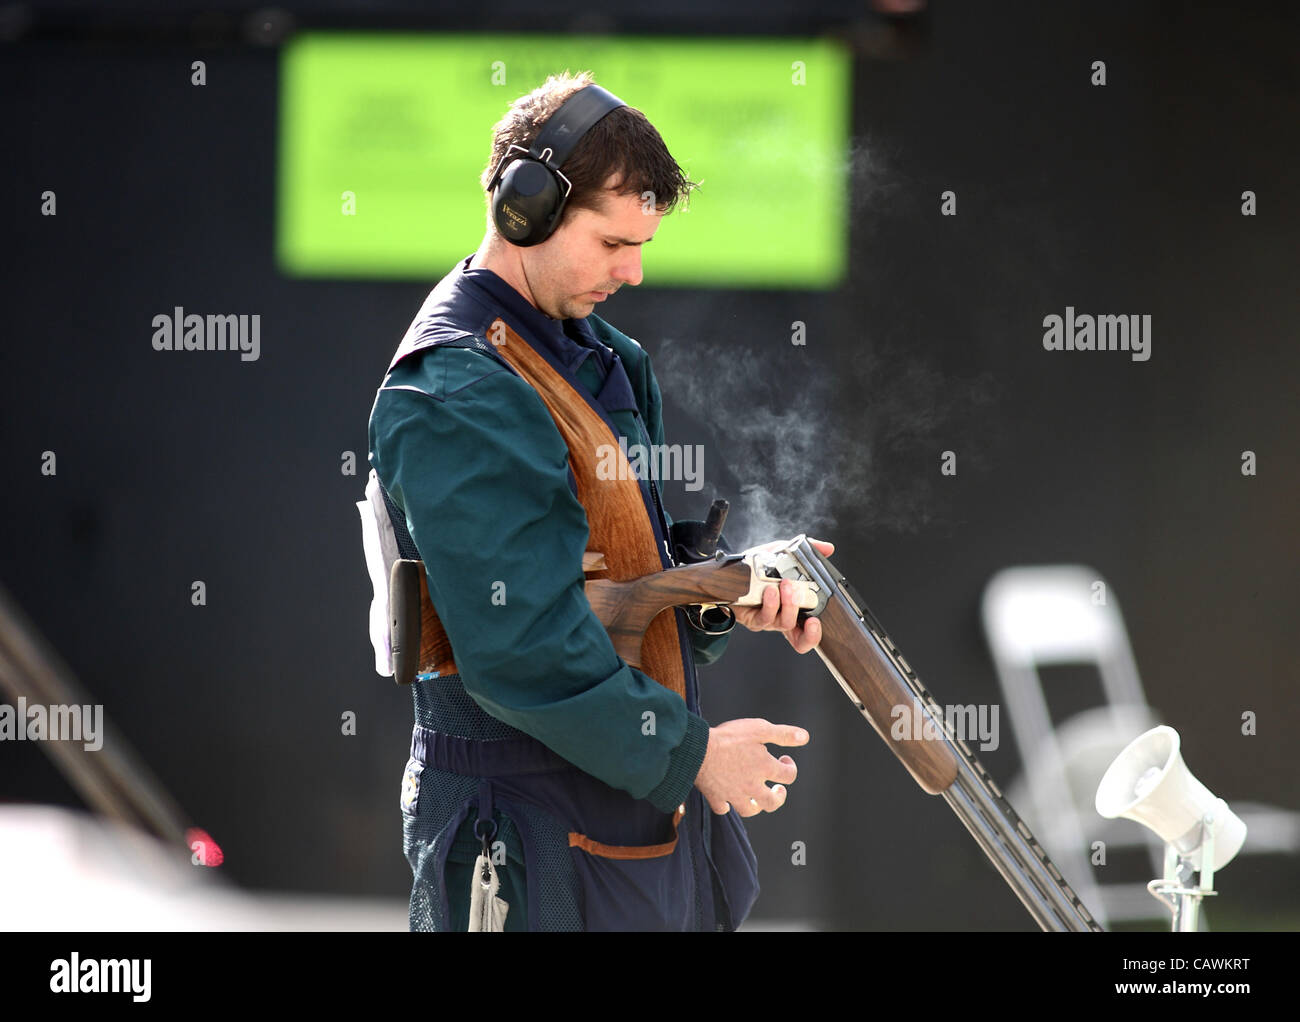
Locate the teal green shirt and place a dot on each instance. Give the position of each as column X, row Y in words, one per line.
column 468, row 450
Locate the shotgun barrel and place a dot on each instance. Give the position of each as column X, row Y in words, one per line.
column 877, row 678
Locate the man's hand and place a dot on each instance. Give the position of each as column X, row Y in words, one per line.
column 737, row 766
column 779, row 612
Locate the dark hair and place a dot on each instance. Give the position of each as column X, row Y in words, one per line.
column 623, row 142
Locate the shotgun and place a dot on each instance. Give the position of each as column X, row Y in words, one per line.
column 856, row 650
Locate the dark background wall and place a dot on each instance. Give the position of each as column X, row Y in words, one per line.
column 1117, row 199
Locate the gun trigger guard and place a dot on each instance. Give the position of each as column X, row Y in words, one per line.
column 724, row 619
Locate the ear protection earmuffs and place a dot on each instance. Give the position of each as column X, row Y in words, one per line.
column 530, row 190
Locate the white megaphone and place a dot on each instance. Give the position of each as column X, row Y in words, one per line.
column 1149, row 782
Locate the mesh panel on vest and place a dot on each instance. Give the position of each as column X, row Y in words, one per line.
column 695, row 872
column 441, row 797
column 557, row 894
column 443, row 705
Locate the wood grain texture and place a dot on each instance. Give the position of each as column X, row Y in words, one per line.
column 627, row 609
column 876, row 684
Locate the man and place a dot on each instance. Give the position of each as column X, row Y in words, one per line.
column 597, row 791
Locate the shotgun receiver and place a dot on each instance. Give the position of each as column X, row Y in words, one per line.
column 862, row 658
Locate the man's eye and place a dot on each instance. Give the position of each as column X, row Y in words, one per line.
column 611, row 244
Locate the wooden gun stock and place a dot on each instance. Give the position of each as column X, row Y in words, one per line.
column 624, row 608
column 627, row 608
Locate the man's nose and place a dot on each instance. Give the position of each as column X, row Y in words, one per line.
column 628, row 268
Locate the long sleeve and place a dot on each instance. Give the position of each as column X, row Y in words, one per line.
column 470, row 453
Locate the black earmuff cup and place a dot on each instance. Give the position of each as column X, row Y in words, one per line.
column 526, row 202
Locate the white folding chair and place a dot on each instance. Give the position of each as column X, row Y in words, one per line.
column 1067, row 614
column 1056, row 615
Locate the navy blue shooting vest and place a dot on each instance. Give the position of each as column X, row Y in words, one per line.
column 585, row 854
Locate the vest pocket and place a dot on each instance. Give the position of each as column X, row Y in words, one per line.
column 735, row 866
column 635, row 887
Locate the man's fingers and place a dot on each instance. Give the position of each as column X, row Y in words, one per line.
column 783, row 771
column 778, row 611
column 808, row 638
column 771, row 607
column 789, row 616
column 788, row 735
column 762, row 617
column 746, row 767
column 766, row 800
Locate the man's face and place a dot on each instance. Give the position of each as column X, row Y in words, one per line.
column 592, row 251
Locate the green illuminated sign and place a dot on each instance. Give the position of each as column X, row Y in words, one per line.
column 383, row 139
